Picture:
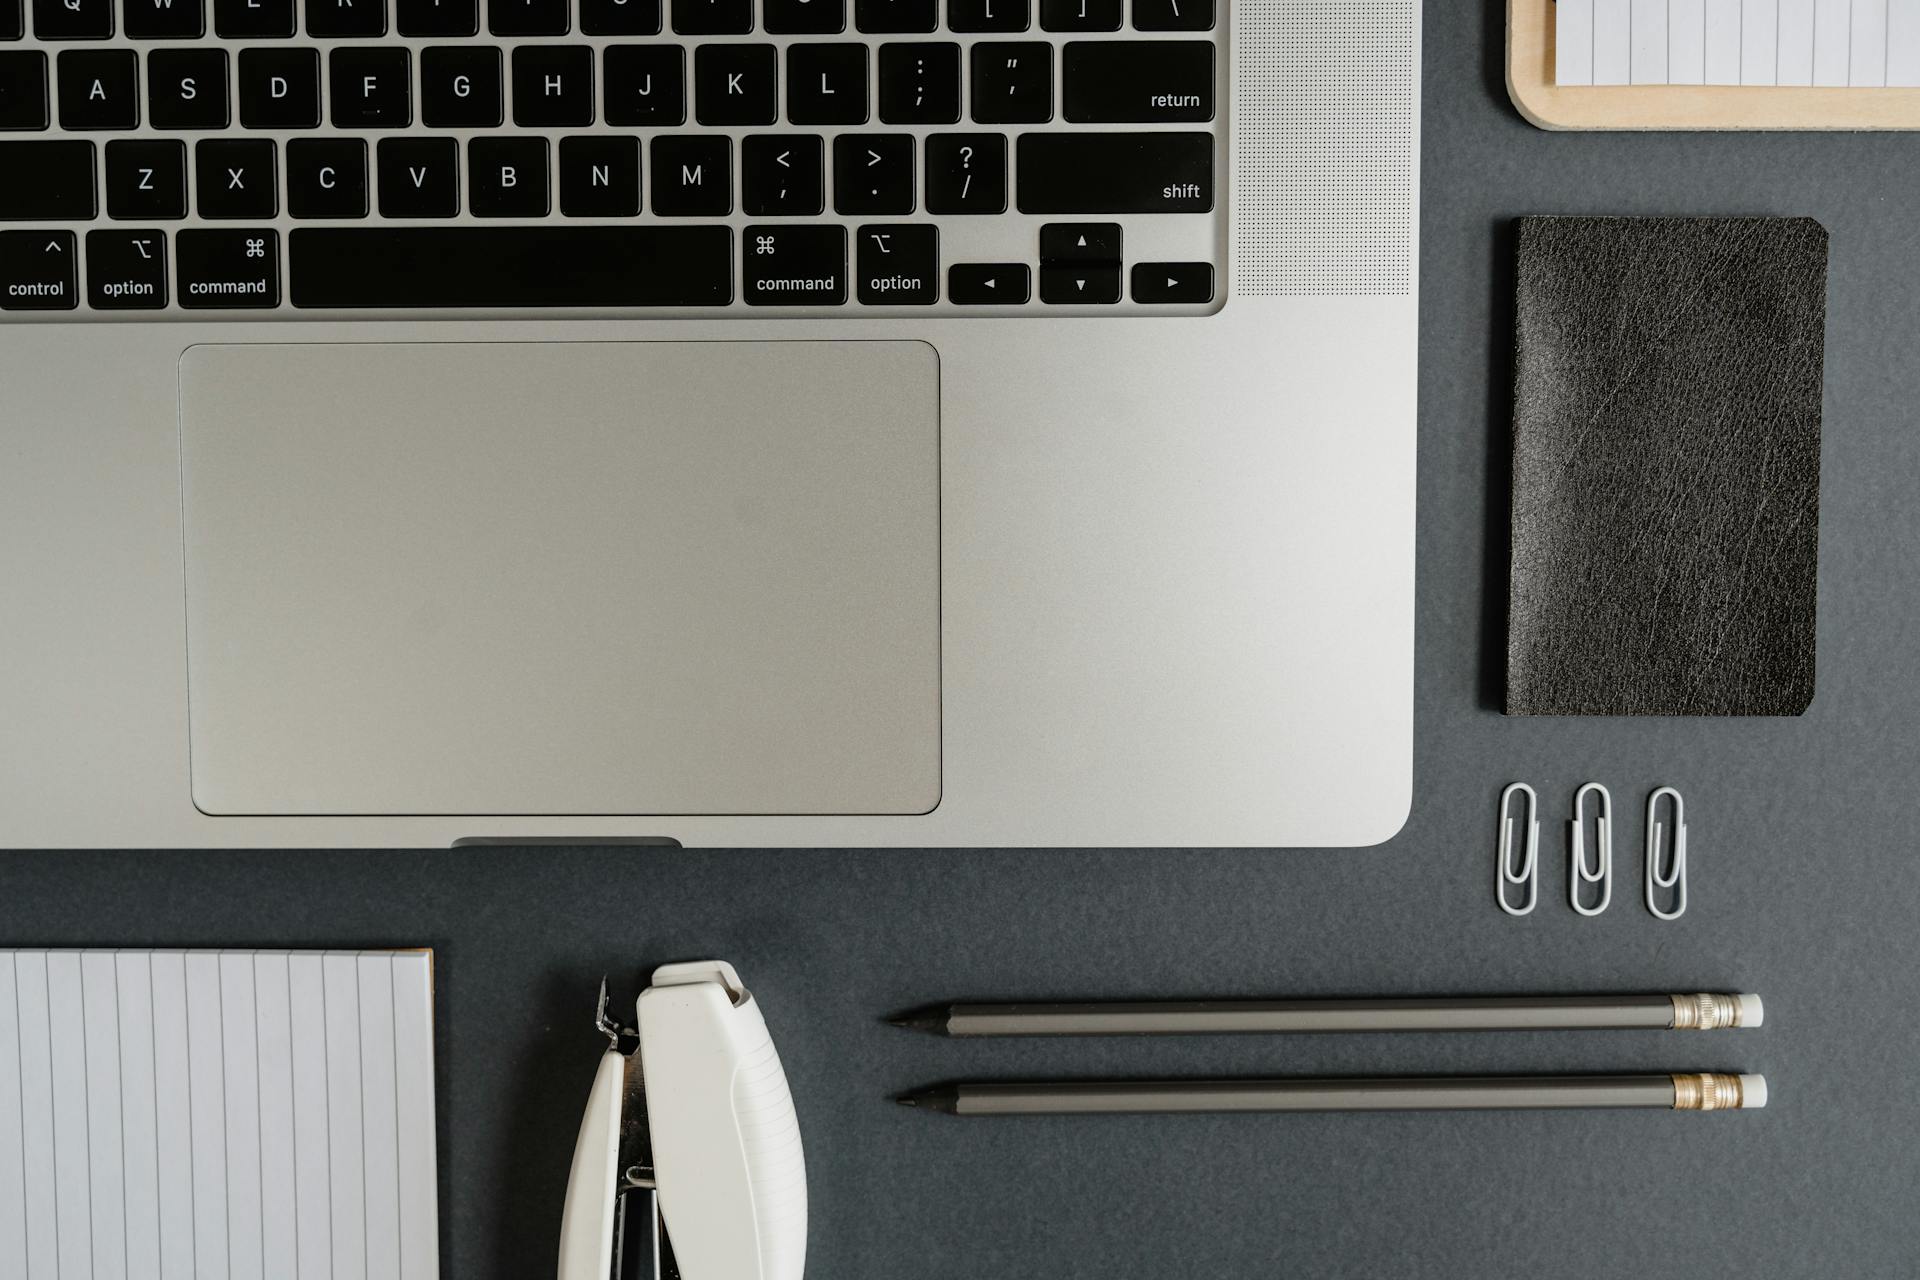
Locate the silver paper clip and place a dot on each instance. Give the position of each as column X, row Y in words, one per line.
column 1529, row 870
column 1578, row 877
column 1675, row 878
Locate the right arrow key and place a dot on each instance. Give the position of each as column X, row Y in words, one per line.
column 1175, row 282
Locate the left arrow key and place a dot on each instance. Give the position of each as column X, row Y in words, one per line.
column 37, row 271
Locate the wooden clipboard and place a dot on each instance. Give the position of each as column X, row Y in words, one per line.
column 1530, row 49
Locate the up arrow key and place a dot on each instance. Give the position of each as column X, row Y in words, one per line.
column 53, row 246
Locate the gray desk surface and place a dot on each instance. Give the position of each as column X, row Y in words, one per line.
column 1806, row 889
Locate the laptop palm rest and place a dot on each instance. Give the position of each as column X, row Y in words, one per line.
column 563, row 578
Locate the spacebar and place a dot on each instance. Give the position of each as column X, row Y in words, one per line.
column 648, row 266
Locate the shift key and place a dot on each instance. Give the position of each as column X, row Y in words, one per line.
column 1115, row 173
column 237, row 267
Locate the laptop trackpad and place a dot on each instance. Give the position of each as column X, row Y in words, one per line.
column 563, row 578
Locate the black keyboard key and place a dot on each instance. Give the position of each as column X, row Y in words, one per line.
column 827, row 84
column 547, row 266
column 1012, row 83
column 646, row 85
column 1145, row 81
column 280, row 88
column 327, row 178
column 692, row 177
column 23, row 89
column 782, row 175
column 1081, row 15
column 898, row 264
column 237, row 267
column 419, row 177
column 920, row 83
column 988, row 15
column 72, row 19
column 13, row 19
column 1173, row 15
column 460, row 87
column 1114, row 173
column 46, row 181
column 437, row 17
column 896, row 17
column 552, row 85
column 620, row 17
column 38, row 271
column 600, row 176
column 804, row 17
column 187, row 89
column 161, row 20
column 528, row 17
column 126, row 270
column 967, row 173
column 712, row 17
column 1173, row 282
column 370, row 88
column 234, row 178
column 785, row 266
column 1093, row 242
column 1078, row 284
column 735, row 84
column 99, row 88
column 873, row 173
column 146, row 179
column 346, row 19
column 988, row 284
column 507, row 178
column 253, row 20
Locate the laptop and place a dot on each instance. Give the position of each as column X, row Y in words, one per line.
column 706, row 422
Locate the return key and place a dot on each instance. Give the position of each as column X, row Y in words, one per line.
column 1137, row 81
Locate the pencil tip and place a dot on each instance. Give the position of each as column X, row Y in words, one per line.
column 931, row 1019
column 943, row 1099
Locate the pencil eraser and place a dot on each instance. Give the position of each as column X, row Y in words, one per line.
column 1752, row 1012
column 1753, row 1092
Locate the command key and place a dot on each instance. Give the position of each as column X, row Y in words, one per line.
column 37, row 271
column 237, row 267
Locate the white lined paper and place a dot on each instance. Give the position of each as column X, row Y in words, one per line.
column 1835, row 43
column 199, row 1116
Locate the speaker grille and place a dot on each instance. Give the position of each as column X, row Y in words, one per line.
column 1324, row 159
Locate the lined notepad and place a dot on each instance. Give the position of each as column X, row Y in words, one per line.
column 1828, row 43
column 203, row 1115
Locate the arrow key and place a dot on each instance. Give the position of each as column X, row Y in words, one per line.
column 782, row 175
column 1097, row 242
column 37, row 271
column 1173, row 282
column 1073, row 283
column 977, row 284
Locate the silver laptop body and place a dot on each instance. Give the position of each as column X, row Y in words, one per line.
column 728, row 522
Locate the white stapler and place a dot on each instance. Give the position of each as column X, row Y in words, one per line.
column 689, row 1162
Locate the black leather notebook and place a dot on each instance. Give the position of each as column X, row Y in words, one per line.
column 1666, row 465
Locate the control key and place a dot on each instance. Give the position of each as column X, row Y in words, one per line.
column 37, row 271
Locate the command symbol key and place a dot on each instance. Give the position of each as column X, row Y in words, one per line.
column 229, row 268
column 794, row 266
column 37, row 271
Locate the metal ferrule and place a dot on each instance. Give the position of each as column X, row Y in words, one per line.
column 1708, row 1091
column 1705, row 1011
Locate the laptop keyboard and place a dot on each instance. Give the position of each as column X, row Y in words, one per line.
column 749, row 157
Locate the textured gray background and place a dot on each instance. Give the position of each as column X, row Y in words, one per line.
column 1805, row 890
